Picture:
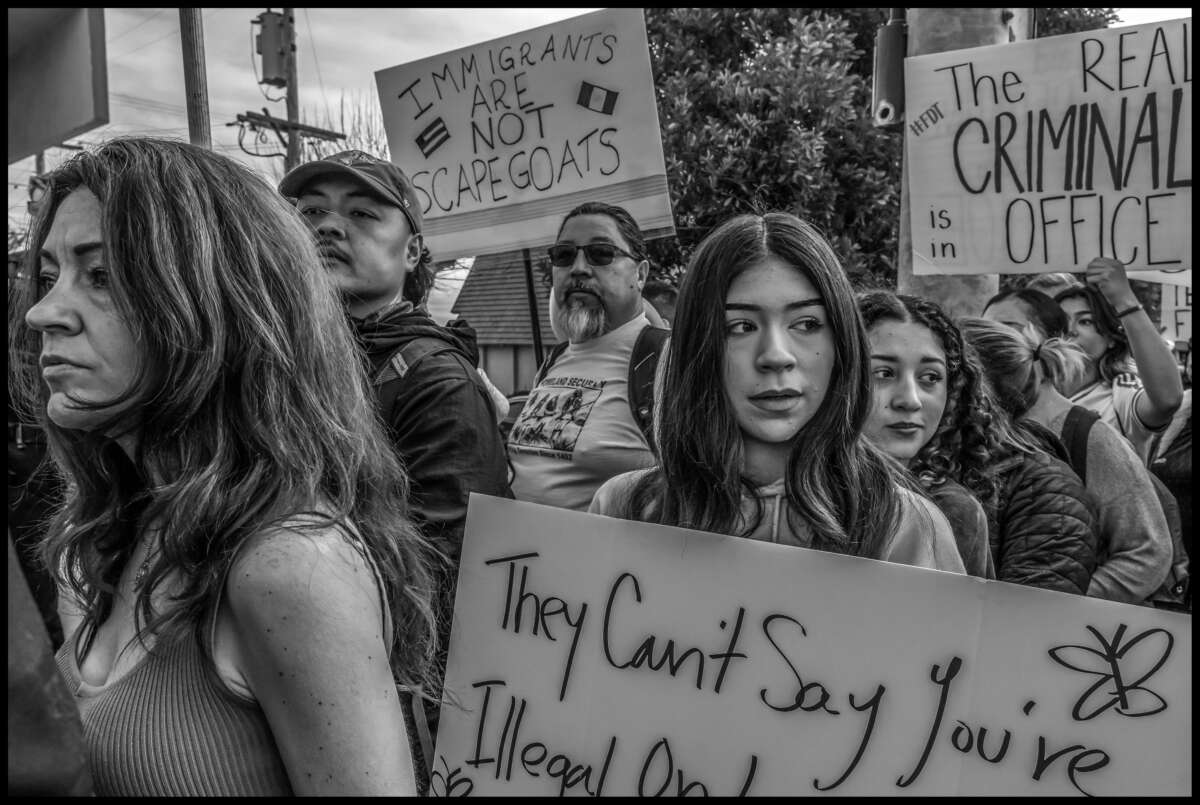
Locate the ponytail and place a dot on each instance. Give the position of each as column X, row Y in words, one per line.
column 1062, row 362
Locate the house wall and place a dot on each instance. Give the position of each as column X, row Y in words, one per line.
column 510, row 368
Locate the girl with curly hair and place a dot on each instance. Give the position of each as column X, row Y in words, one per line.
column 241, row 586
column 929, row 413
column 1040, row 527
column 769, row 388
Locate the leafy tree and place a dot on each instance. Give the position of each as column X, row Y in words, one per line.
column 761, row 109
column 1055, row 21
column 769, row 108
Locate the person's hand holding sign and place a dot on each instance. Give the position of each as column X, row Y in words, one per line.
column 1108, row 276
column 1110, row 325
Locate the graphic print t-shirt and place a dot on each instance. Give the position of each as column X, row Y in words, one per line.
column 576, row 430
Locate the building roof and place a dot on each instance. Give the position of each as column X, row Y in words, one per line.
column 494, row 299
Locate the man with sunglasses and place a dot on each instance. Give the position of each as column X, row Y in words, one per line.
column 587, row 417
column 367, row 223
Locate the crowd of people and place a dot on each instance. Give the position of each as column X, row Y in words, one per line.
column 260, row 448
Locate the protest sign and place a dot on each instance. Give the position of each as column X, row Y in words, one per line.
column 1181, row 278
column 503, row 138
column 597, row 656
column 1040, row 155
column 1175, row 312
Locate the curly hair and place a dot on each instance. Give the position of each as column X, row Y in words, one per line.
column 1116, row 359
column 842, row 486
column 241, row 425
column 963, row 448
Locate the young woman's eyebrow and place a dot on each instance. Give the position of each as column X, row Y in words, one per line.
column 789, row 306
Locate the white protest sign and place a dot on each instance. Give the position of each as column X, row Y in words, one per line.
column 1181, row 278
column 1037, row 156
column 1176, row 311
column 592, row 655
column 503, row 138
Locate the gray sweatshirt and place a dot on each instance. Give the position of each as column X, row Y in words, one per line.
column 1135, row 543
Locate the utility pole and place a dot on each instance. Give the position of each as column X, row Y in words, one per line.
column 293, row 90
column 195, row 82
column 934, row 30
column 277, row 46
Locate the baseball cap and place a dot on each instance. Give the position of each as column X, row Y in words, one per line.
column 378, row 174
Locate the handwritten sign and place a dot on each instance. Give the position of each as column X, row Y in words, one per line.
column 1176, row 311
column 595, row 656
column 504, row 138
column 1040, row 155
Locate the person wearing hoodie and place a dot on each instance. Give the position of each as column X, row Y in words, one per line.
column 437, row 410
column 770, row 382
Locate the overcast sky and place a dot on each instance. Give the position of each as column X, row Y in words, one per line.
column 338, row 51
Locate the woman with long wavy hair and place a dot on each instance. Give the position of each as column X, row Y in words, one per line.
column 243, row 588
column 767, row 387
column 932, row 414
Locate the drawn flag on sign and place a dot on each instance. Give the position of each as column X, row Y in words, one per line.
column 433, row 137
column 597, row 99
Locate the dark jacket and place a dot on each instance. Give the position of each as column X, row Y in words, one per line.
column 1043, row 532
column 441, row 421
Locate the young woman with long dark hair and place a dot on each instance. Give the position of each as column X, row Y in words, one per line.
column 765, row 391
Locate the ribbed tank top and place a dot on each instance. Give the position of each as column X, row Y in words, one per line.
column 170, row 727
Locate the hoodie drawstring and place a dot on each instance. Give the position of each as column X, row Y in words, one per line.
column 775, row 518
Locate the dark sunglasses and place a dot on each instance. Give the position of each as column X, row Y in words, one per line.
column 598, row 254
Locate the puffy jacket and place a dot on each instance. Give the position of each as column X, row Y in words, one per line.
column 1042, row 532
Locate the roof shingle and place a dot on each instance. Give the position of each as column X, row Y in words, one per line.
column 494, row 299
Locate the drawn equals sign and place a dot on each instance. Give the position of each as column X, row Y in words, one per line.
column 433, row 137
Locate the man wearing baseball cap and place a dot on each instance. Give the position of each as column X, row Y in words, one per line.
column 367, row 224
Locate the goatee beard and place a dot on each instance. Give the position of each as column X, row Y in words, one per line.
column 580, row 322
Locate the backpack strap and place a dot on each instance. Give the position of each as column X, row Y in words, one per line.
column 1075, row 437
column 642, row 367
column 555, row 353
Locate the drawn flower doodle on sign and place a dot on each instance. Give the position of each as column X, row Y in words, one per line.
column 449, row 783
column 1121, row 669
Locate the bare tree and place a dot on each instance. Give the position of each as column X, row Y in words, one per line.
column 359, row 117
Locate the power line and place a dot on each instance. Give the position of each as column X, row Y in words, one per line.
column 128, row 31
column 150, row 105
column 320, row 81
column 175, row 32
